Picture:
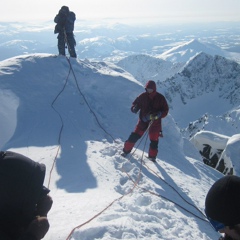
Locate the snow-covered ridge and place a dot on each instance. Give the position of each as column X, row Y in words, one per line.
column 34, row 79
column 89, row 173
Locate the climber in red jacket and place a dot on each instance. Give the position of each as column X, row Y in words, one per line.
column 153, row 107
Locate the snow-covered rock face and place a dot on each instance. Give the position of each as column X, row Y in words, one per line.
column 165, row 65
column 205, row 74
column 219, row 151
column 206, row 86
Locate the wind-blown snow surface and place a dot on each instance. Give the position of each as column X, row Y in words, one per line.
column 67, row 119
column 145, row 67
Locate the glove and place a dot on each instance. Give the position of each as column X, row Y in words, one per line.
column 38, row 228
column 44, row 205
column 155, row 116
column 134, row 109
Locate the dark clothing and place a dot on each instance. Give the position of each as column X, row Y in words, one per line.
column 226, row 238
column 151, row 104
column 69, row 38
column 222, row 201
column 148, row 103
column 65, row 27
column 64, row 20
column 21, row 187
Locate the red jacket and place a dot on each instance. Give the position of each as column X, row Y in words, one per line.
column 151, row 103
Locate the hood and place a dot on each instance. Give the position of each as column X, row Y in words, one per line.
column 64, row 9
column 151, row 84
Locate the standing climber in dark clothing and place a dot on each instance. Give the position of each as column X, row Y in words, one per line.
column 64, row 27
column 24, row 201
column 153, row 107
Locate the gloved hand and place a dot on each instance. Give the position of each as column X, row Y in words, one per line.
column 155, row 116
column 38, row 228
column 134, row 109
column 44, row 205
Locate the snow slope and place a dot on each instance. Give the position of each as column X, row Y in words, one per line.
column 145, row 67
column 75, row 118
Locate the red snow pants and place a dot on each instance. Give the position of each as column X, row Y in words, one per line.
column 154, row 133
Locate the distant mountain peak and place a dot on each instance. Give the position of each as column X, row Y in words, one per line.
column 207, row 84
column 187, row 50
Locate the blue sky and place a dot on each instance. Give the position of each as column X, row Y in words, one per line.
column 163, row 10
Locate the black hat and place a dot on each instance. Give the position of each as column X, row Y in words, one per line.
column 21, row 186
column 222, row 202
column 64, row 9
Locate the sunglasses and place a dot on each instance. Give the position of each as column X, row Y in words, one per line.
column 149, row 90
column 216, row 225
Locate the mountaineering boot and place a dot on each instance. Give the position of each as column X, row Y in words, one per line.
column 123, row 154
column 153, row 159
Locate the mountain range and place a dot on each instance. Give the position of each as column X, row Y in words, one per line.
column 199, row 80
column 74, row 115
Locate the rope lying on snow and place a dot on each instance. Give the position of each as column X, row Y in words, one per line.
column 135, row 183
column 62, row 124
